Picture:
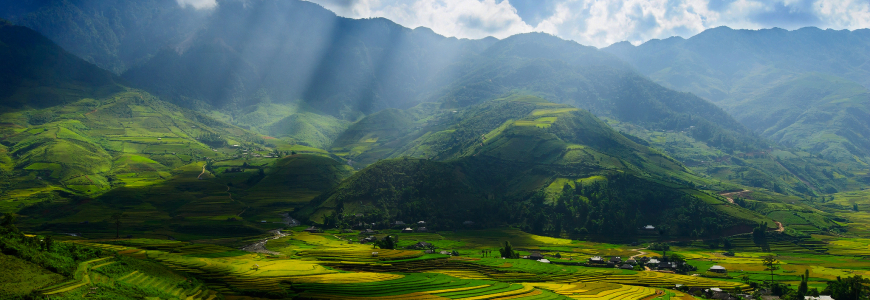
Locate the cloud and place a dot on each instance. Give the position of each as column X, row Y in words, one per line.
column 198, row 4
column 603, row 22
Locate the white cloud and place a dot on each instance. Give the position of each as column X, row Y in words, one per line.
column 198, row 4
column 603, row 22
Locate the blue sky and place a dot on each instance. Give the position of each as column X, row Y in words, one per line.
column 600, row 22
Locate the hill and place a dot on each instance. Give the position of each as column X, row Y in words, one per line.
column 114, row 36
column 37, row 73
column 722, row 63
column 289, row 51
column 756, row 74
column 519, row 161
column 817, row 113
column 69, row 163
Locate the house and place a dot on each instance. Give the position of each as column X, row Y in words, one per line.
column 668, row 265
column 653, row 262
column 536, row 256
column 407, row 230
column 399, row 223
column 422, row 229
column 368, row 239
column 430, row 251
column 649, row 227
column 631, row 261
column 718, row 269
column 421, row 222
column 374, row 254
column 445, row 252
column 596, row 260
column 544, row 260
column 313, row 229
column 348, row 231
column 369, row 231
column 822, row 297
column 626, row 267
column 644, row 259
column 616, row 259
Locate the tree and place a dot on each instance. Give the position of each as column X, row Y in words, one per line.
column 803, row 288
column 849, row 288
column 47, row 243
column 855, row 206
column 387, row 243
column 8, row 221
column 770, row 264
column 508, row 251
column 116, row 218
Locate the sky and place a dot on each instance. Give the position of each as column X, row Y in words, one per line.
column 600, row 23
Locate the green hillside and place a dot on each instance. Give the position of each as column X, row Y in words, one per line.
column 499, row 157
column 803, row 88
column 816, row 113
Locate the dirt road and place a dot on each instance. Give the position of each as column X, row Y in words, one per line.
column 200, row 174
column 730, row 200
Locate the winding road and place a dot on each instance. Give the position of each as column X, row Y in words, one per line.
column 200, row 174
column 730, row 200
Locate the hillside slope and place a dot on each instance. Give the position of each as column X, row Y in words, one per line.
column 756, row 74
column 817, row 113
column 521, row 161
column 37, row 73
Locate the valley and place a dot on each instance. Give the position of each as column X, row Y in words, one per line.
column 272, row 149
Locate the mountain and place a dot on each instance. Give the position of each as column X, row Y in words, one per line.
column 757, row 74
column 37, row 73
column 114, row 35
column 290, row 51
column 567, row 72
column 818, row 113
column 520, row 161
column 722, row 63
column 76, row 146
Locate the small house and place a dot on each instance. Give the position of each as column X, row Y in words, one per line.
column 668, row 265
column 544, row 260
column 421, row 245
column 653, row 261
column 374, row 254
column 399, row 223
column 616, row 259
column 536, row 256
column 313, row 229
column 626, row 267
column 445, row 252
column 649, row 227
column 407, row 230
column 421, row 222
column 631, row 261
column 422, row 229
column 644, row 259
column 596, row 260
column 718, row 269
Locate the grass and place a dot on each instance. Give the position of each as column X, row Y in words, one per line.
column 20, row 277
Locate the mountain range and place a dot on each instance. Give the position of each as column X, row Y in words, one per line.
column 192, row 120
